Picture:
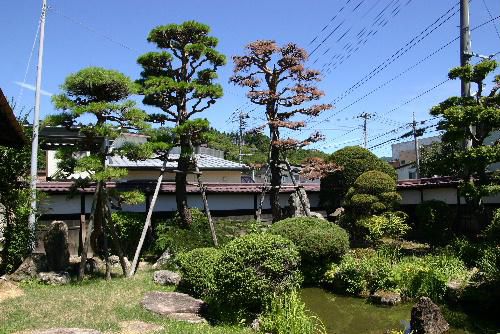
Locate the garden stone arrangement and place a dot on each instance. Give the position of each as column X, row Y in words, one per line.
column 166, row 277
column 175, row 305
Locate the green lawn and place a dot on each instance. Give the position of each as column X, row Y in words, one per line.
column 95, row 304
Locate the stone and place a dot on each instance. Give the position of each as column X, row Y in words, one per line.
column 64, row 331
column 30, row 267
column 426, row 318
column 56, row 246
column 255, row 325
column 166, row 277
column 384, row 297
column 175, row 305
column 296, row 209
column 114, row 261
column 139, row 327
column 454, row 290
column 317, row 215
column 163, row 260
column 55, row 278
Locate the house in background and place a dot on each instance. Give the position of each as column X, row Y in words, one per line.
column 404, row 156
column 211, row 163
column 11, row 132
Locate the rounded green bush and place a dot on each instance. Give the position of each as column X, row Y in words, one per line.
column 197, row 268
column 375, row 183
column 317, row 240
column 253, row 269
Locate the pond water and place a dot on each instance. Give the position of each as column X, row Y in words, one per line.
column 349, row 315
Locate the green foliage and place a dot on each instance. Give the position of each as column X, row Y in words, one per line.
column 440, row 159
column 412, row 276
column 489, row 262
column 459, row 115
column 373, row 192
column 492, row 231
column 434, row 221
column 197, row 268
column 129, row 228
column 318, row 241
column 288, row 314
column 387, row 225
column 253, row 269
column 173, row 236
column 354, row 161
column 15, row 205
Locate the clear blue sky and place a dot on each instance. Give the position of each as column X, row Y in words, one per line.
column 112, row 34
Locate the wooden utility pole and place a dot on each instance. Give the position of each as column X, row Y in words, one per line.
column 365, row 117
column 465, row 53
column 36, row 121
column 242, row 125
column 417, row 153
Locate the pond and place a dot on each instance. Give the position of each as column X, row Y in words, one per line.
column 349, row 315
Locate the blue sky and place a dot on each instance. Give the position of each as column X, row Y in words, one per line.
column 112, row 34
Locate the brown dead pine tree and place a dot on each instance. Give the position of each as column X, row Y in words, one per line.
column 278, row 79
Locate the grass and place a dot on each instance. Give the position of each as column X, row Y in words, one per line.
column 94, row 304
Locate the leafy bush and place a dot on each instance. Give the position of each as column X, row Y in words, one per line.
column 129, row 228
column 198, row 271
column 287, row 314
column 317, row 240
column 252, row 269
column 434, row 220
column 412, row 276
column 355, row 161
column 171, row 235
column 373, row 192
column 492, row 231
column 489, row 262
column 389, row 225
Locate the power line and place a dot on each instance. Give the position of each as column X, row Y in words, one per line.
column 491, row 17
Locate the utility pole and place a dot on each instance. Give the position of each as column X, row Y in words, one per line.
column 242, row 125
column 417, row 153
column 465, row 53
column 365, row 117
column 36, row 123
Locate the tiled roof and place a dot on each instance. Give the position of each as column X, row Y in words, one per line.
column 432, row 182
column 205, row 162
column 169, row 187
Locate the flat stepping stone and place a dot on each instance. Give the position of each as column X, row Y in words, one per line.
column 64, row 331
column 175, row 305
column 139, row 327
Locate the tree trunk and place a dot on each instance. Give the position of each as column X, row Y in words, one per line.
column 181, row 182
column 90, row 228
column 147, row 223
column 114, row 235
column 274, row 164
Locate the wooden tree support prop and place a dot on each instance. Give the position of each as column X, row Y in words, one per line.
column 258, row 214
column 205, row 201
column 147, row 223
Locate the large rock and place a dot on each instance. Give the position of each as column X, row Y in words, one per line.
column 30, row 268
column 163, row 260
column 426, row 318
column 175, row 305
column 166, row 277
column 384, row 297
column 55, row 278
column 296, row 209
column 65, row 331
column 56, row 246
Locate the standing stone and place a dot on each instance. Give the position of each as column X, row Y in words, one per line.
column 56, row 246
column 296, row 209
column 163, row 260
column 426, row 318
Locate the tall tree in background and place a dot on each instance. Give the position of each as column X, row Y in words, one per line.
column 278, row 80
column 180, row 81
column 473, row 119
column 103, row 95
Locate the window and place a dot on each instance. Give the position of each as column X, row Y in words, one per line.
column 412, row 175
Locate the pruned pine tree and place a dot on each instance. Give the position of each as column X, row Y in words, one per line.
column 278, row 80
column 94, row 102
column 180, row 80
column 472, row 119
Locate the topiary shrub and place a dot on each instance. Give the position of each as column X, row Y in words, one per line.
column 197, row 268
column 387, row 225
column 252, row 270
column 354, row 161
column 433, row 222
column 319, row 242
